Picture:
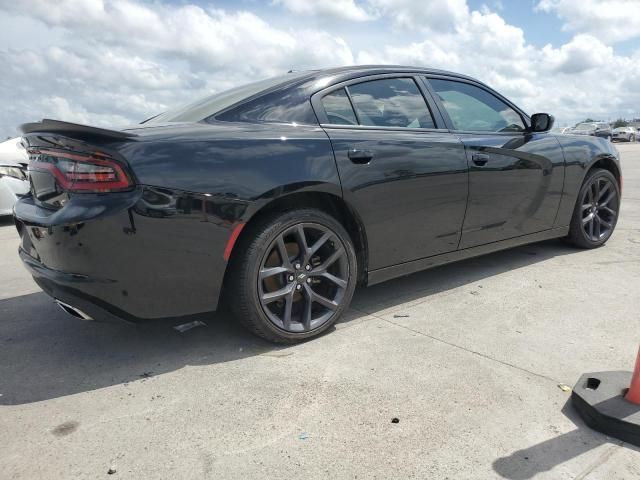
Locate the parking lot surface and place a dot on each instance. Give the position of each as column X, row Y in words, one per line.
column 469, row 358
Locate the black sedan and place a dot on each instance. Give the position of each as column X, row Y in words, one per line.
column 279, row 197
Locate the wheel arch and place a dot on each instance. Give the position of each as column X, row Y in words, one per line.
column 606, row 163
column 329, row 203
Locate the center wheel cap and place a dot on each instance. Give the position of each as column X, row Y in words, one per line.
column 301, row 278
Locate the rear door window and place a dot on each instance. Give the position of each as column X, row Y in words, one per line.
column 391, row 102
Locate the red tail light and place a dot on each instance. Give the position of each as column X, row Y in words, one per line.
column 81, row 172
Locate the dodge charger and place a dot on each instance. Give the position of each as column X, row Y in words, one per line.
column 281, row 196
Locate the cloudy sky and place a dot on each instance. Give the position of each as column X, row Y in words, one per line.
column 116, row 62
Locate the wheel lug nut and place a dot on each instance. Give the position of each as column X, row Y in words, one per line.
column 291, row 278
column 308, row 280
column 298, row 287
column 297, row 266
column 307, row 268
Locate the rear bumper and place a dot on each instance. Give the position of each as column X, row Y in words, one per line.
column 72, row 290
column 111, row 256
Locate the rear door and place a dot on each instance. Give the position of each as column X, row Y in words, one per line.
column 515, row 177
column 400, row 169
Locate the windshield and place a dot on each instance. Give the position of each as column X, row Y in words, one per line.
column 211, row 104
column 622, row 129
column 585, row 126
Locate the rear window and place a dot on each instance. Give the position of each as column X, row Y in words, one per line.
column 212, row 104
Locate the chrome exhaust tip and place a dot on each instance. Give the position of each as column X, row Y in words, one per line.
column 73, row 311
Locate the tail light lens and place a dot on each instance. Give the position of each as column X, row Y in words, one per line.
column 76, row 172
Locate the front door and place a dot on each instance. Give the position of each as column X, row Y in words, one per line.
column 515, row 177
column 406, row 177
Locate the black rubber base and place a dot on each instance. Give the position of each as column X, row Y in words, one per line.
column 599, row 399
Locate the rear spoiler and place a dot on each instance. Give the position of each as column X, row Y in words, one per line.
column 56, row 126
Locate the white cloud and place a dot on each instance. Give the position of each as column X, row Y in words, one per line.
column 344, row 9
column 422, row 15
column 609, row 20
column 206, row 38
column 114, row 62
column 573, row 81
column 582, row 53
column 483, row 46
column 122, row 60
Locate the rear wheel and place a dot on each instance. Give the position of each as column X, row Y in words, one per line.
column 596, row 211
column 294, row 275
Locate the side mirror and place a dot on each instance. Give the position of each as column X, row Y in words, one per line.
column 541, row 122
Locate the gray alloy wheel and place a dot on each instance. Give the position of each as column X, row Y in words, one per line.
column 293, row 275
column 303, row 277
column 596, row 212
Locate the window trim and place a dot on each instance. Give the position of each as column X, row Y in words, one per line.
column 316, row 104
column 347, row 95
column 445, row 115
column 353, row 105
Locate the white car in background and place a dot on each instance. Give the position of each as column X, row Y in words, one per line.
column 14, row 181
column 628, row 134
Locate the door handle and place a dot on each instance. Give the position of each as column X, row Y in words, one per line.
column 360, row 156
column 480, row 159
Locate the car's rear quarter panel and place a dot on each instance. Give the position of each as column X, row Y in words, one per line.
column 146, row 266
column 159, row 251
column 242, row 161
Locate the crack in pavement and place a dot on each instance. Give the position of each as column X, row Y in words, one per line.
column 601, row 460
column 460, row 347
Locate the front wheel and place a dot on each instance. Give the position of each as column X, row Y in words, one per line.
column 596, row 212
column 294, row 275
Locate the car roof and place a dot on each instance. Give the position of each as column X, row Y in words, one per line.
column 297, row 88
column 320, row 79
column 359, row 70
column 304, row 84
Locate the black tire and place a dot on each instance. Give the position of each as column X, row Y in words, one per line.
column 594, row 221
column 260, row 244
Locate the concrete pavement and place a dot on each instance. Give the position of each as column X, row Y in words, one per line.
column 468, row 357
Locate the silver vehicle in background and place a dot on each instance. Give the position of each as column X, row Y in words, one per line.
column 14, row 181
column 628, row 134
